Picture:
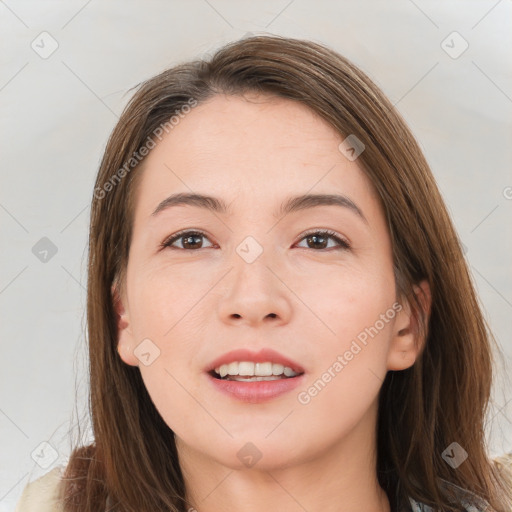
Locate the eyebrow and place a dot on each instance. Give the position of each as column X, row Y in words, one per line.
column 292, row 204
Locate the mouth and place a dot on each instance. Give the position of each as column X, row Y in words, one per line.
column 254, row 389
column 254, row 377
column 239, row 378
column 248, row 371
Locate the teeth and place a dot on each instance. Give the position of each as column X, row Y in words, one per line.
column 253, row 379
column 277, row 369
column 289, row 372
column 232, row 368
column 250, row 369
column 246, row 368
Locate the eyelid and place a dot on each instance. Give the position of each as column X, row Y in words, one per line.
column 176, row 236
column 342, row 241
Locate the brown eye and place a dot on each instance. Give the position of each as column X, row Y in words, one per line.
column 320, row 240
column 190, row 240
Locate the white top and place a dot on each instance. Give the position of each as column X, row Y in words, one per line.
column 42, row 495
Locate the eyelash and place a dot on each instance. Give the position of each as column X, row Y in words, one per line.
column 342, row 243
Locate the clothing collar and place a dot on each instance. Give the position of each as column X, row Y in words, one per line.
column 470, row 501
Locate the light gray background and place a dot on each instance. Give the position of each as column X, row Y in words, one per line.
column 58, row 111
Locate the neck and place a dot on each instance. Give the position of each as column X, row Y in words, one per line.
column 342, row 479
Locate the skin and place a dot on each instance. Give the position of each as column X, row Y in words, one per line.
column 253, row 152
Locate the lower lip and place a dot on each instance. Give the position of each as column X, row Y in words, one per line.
column 256, row 391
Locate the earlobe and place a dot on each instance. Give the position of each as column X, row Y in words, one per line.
column 408, row 339
column 124, row 333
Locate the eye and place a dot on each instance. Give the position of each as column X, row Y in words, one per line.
column 320, row 240
column 191, row 240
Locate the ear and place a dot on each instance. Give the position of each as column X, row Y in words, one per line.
column 408, row 341
column 125, row 341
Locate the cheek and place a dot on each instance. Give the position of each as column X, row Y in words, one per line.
column 349, row 302
column 351, row 358
column 163, row 300
column 166, row 307
column 167, row 313
column 349, row 365
column 171, row 393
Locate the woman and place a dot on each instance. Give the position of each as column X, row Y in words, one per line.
column 279, row 313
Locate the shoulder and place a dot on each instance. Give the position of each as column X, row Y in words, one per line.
column 43, row 494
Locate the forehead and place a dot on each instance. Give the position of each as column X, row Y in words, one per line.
column 251, row 124
column 257, row 146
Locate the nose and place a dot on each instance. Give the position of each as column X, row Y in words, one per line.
column 255, row 294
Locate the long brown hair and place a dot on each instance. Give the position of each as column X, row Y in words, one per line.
column 132, row 464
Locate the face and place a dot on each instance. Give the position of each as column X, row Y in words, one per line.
column 311, row 288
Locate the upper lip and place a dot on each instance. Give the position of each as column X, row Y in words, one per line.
column 262, row 356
